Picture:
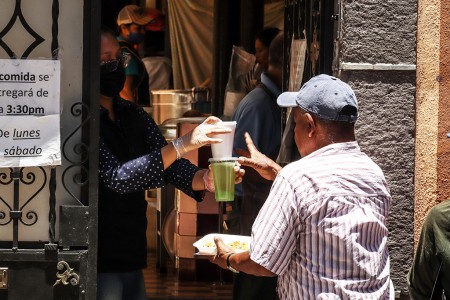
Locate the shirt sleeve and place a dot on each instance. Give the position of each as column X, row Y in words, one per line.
column 181, row 172
column 275, row 230
column 147, row 171
column 255, row 117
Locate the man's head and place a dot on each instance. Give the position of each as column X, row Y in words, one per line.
column 131, row 21
column 263, row 40
column 326, row 110
column 275, row 69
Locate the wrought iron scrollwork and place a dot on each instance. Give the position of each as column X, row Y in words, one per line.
column 28, row 179
column 18, row 15
column 5, row 180
column 31, row 177
column 17, row 176
column 4, row 177
column 80, row 149
column 3, row 214
column 67, row 276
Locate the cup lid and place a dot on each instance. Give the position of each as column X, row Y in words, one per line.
column 222, row 159
column 227, row 122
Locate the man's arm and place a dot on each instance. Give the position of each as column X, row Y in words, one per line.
column 239, row 261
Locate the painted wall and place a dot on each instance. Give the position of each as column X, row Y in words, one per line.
column 427, row 110
column 373, row 34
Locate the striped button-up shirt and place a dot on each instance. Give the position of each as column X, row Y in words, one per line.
column 323, row 227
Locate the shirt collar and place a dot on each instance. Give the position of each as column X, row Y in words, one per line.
column 265, row 79
column 336, row 147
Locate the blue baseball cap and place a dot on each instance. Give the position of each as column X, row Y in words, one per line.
column 324, row 96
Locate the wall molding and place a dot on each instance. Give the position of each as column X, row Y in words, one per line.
column 346, row 66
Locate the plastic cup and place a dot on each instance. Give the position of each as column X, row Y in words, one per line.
column 223, row 172
column 224, row 149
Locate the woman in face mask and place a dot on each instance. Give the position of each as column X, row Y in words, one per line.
column 134, row 157
column 131, row 21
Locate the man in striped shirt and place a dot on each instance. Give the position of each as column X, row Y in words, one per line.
column 322, row 229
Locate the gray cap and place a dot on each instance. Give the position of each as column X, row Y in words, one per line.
column 325, row 96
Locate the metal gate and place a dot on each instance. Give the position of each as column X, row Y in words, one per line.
column 317, row 22
column 48, row 215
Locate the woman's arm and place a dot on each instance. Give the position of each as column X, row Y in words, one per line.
column 158, row 167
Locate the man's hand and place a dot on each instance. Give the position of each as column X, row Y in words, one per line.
column 220, row 258
column 266, row 167
column 238, row 173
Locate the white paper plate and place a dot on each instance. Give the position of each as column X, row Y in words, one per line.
column 207, row 247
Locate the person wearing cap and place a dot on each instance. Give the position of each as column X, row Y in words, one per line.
column 131, row 21
column 322, row 229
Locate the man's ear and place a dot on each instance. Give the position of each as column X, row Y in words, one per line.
column 311, row 124
column 123, row 28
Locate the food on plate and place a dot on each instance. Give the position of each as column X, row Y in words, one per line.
column 234, row 244
column 209, row 243
column 206, row 245
column 239, row 245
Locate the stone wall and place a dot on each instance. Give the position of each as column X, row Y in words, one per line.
column 374, row 33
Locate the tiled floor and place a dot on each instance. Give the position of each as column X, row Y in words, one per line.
column 167, row 286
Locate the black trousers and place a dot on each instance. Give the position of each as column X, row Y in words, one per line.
column 249, row 287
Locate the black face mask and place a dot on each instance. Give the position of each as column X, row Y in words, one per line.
column 111, row 82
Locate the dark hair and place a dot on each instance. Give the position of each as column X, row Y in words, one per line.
column 335, row 130
column 276, row 51
column 106, row 30
column 266, row 35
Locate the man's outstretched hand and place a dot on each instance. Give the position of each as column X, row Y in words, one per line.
column 252, row 158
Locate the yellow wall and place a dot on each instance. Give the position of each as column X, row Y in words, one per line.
column 432, row 159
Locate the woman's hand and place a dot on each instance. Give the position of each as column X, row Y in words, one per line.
column 208, row 176
column 266, row 167
column 200, row 136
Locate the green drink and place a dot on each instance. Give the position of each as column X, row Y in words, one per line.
column 223, row 172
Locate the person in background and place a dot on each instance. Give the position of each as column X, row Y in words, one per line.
column 260, row 116
column 322, row 229
column 263, row 39
column 158, row 66
column 133, row 157
column 131, row 21
column 429, row 274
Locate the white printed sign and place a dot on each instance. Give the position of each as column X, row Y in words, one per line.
column 29, row 113
column 297, row 66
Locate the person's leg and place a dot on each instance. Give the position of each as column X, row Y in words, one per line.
column 109, row 286
column 250, row 287
column 134, row 287
column 432, row 250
